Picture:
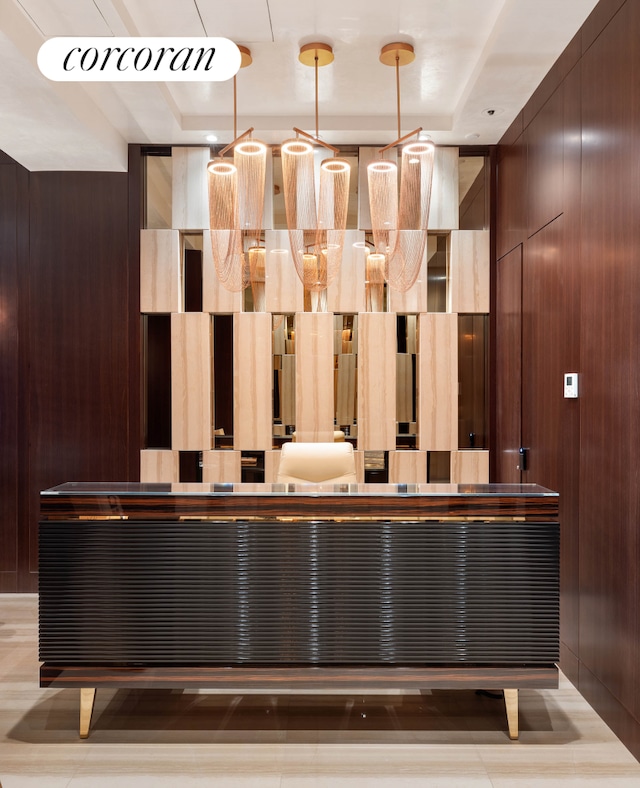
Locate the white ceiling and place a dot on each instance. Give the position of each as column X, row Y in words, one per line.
column 471, row 55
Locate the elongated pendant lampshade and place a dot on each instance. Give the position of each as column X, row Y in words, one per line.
column 400, row 226
column 316, row 231
column 236, row 204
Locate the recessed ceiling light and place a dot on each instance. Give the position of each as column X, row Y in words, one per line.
column 491, row 111
column 424, row 137
column 211, row 138
column 473, row 136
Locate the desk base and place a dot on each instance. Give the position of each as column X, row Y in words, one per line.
column 509, row 679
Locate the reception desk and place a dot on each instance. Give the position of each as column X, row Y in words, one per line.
column 244, row 586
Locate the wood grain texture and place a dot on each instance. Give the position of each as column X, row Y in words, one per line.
column 511, row 203
column 508, row 386
column 415, row 299
column 190, row 197
column 284, row 294
column 346, row 294
column 301, row 678
column 158, row 465
column 221, row 467
column 444, row 210
column 271, row 465
column 215, row 297
column 252, row 381
column 376, row 381
column 315, row 410
column 160, row 265
column 346, row 389
column 191, row 381
column 426, row 501
column 407, row 467
column 582, row 316
column 80, row 380
column 438, row 382
column 609, row 416
column 470, row 467
column 14, row 212
column 545, row 150
column 288, row 390
column 469, row 272
column 405, row 387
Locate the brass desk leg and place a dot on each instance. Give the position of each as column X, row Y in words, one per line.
column 87, row 697
column 511, row 703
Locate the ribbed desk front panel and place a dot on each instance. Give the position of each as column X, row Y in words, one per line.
column 195, row 593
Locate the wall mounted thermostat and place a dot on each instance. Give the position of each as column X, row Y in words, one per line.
column 570, row 385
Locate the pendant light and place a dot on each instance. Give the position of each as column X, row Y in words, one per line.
column 236, row 205
column 400, row 226
column 316, row 230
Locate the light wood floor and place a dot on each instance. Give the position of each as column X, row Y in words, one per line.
column 162, row 739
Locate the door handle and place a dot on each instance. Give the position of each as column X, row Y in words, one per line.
column 523, row 453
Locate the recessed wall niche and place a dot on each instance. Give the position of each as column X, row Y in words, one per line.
column 385, row 372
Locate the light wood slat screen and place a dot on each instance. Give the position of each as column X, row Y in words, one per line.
column 322, row 386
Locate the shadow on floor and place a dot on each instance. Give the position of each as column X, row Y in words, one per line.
column 183, row 716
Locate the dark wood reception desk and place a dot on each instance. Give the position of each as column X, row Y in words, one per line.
column 299, row 586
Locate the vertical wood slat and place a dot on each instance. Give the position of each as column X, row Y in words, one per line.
column 346, row 389
column 191, row 381
column 160, row 258
column 284, row 293
column 346, row 294
column 271, row 465
column 159, row 465
column 470, row 467
column 376, row 381
column 252, row 381
column 444, row 210
column 404, row 387
column 221, row 467
column 190, row 197
column 314, row 376
column 469, row 272
column 359, row 458
column 215, row 297
column 407, row 467
column 288, row 389
column 438, row 382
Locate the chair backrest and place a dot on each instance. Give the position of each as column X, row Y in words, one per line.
column 317, row 463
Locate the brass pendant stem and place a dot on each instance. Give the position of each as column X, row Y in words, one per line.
column 235, row 109
column 398, row 92
column 317, row 124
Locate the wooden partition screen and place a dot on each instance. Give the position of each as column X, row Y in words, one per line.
column 343, row 367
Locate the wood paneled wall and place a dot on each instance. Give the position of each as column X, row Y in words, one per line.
column 567, row 203
column 70, row 383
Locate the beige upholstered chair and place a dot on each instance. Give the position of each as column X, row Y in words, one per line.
column 317, row 463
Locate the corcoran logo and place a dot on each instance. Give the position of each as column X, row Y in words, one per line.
column 98, row 59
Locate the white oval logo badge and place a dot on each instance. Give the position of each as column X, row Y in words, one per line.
column 120, row 59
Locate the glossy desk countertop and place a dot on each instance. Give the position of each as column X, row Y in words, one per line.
column 131, row 500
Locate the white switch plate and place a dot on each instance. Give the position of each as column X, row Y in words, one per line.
column 570, row 385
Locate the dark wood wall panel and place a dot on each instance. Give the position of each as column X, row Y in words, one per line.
column 12, row 211
column 511, row 188
column 551, row 423
column 508, row 383
column 609, row 483
column 77, row 342
column 544, row 138
column 581, row 302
